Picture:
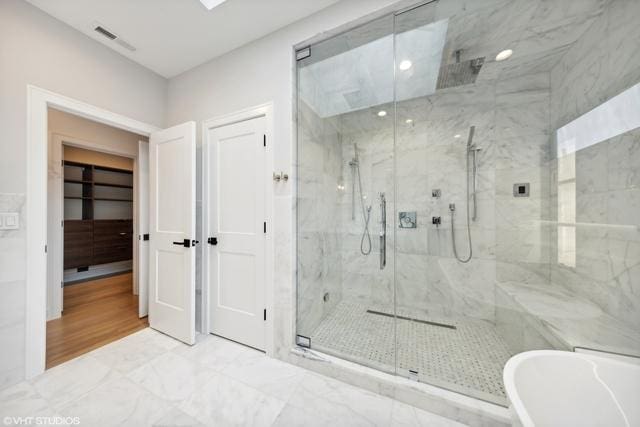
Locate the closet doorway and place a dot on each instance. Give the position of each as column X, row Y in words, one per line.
column 94, row 211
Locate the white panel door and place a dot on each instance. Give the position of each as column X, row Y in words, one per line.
column 172, row 254
column 236, row 184
column 143, row 228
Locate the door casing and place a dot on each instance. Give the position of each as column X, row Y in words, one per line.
column 266, row 111
column 38, row 100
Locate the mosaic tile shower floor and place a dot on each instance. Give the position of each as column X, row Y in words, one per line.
column 468, row 359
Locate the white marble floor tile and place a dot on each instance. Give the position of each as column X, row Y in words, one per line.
column 214, row 383
column 224, row 401
column 159, row 339
column 133, row 351
column 171, row 377
column 271, row 376
column 293, row 416
column 403, row 415
column 70, row 380
column 119, row 402
column 327, row 398
column 218, row 353
column 174, row 417
column 22, row 400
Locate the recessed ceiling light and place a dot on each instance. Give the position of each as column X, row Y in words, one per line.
column 505, row 54
column 457, row 135
column 210, row 4
column 405, row 65
column 408, row 121
column 382, row 113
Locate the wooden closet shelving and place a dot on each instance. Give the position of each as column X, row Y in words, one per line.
column 98, row 225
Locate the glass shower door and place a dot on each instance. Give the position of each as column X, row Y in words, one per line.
column 445, row 246
column 345, row 196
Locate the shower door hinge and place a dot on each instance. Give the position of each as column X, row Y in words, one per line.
column 265, row 314
column 264, row 140
column 265, row 227
column 303, row 341
column 303, row 53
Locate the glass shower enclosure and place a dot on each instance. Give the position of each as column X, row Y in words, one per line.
column 437, row 233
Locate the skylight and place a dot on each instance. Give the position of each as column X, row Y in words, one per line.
column 210, row 4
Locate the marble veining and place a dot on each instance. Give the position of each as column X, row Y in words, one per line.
column 215, row 382
column 562, row 67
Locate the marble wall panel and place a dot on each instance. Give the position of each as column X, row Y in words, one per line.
column 12, row 289
column 600, row 65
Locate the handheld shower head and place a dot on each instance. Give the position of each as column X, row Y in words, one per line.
column 472, row 131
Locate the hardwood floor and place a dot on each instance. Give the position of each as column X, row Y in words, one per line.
column 95, row 313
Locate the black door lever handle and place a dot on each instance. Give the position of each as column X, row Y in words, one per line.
column 186, row 243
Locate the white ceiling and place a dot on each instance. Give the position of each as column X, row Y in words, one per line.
column 173, row 36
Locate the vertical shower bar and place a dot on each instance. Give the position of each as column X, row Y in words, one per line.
column 353, row 193
column 475, row 171
column 353, row 181
column 383, row 231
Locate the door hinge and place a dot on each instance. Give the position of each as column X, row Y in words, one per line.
column 265, row 227
column 212, row 241
column 264, row 140
column 145, row 237
column 265, row 314
column 62, row 223
column 303, row 53
column 45, row 249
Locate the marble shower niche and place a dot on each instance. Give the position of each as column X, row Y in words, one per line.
column 555, row 268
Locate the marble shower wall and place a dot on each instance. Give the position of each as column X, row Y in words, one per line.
column 602, row 64
column 429, row 156
column 319, row 264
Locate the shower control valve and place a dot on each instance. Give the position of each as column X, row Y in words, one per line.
column 436, row 220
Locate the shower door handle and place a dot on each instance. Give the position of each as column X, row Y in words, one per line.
column 383, row 251
column 383, row 231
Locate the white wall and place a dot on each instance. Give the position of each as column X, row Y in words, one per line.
column 260, row 72
column 37, row 49
column 108, row 137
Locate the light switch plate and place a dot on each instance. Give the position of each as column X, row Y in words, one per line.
column 9, row 221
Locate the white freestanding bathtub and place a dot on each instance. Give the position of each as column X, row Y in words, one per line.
column 561, row 388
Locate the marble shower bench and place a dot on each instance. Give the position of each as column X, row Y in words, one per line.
column 534, row 317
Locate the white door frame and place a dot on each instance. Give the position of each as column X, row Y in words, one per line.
column 38, row 100
column 266, row 111
column 56, row 248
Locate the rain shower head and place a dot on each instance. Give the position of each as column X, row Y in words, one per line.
column 459, row 73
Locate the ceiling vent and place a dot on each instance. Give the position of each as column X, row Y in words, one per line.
column 100, row 29
column 108, row 34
